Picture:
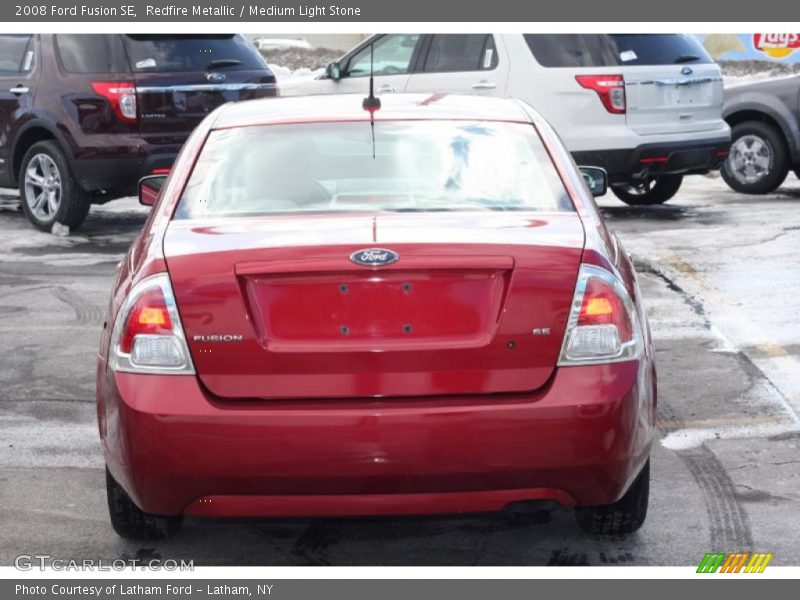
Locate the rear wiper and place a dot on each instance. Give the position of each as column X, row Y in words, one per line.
column 684, row 58
column 223, row 62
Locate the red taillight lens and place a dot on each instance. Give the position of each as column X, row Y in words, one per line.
column 602, row 306
column 148, row 316
column 148, row 336
column 603, row 324
column 610, row 89
column 121, row 95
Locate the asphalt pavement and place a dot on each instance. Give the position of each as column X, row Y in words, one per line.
column 722, row 287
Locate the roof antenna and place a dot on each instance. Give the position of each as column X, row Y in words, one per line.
column 371, row 103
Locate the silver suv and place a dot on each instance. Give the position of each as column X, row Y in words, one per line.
column 646, row 107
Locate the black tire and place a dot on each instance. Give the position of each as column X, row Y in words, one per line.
column 650, row 191
column 73, row 201
column 132, row 523
column 778, row 158
column 626, row 515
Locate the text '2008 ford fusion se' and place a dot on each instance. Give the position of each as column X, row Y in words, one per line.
column 347, row 308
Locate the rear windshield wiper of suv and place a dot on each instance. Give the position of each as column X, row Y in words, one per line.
column 223, row 62
column 683, row 58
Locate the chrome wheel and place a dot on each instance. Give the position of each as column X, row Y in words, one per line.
column 42, row 187
column 750, row 159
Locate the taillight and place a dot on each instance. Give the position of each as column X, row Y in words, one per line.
column 603, row 325
column 148, row 336
column 121, row 95
column 610, row 88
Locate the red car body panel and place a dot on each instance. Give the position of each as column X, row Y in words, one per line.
column 173, row 446
column 452, row 317
column 469, row 414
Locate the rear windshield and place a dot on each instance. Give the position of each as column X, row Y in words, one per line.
column 601, row 50
column 167, row 53
column 339, row 167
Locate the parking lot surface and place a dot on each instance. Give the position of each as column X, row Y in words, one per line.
column 722, row 287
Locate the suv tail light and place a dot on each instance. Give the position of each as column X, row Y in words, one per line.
column 122, row 97
column 603, row 325
column 610, row 88
column 148, row 336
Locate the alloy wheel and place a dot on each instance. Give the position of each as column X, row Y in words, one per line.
column 43, row 187
column 750, row 159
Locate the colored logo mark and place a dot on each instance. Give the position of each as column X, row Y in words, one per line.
column 776, row 45
column 736, row 562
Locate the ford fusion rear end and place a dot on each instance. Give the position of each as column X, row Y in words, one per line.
column 389, row 316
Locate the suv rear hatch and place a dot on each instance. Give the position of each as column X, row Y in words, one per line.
column 672, row 85
column 274, row 307
column 181, row 78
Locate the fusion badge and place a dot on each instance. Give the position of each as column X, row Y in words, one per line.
column 222, row 337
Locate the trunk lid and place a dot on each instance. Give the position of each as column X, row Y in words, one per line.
column 181, row 78
column 673, row 98
column 672, row 85
column 454, row 314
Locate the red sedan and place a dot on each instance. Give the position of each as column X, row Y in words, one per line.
column 410, row 309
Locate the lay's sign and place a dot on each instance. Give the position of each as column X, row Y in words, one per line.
column 776, row 45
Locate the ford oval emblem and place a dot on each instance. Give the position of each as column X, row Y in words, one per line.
column 215, row 77
column 374, row 257
column 686, row 71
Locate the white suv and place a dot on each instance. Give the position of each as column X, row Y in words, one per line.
column 646, row 107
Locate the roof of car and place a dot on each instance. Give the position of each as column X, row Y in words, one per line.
column 347, row 107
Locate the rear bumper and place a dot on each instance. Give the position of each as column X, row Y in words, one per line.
column 681, row 158
column 119, row 176
column 118, row 166
column 175, row 449
column 352, row 505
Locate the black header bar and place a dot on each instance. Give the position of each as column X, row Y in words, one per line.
column 441, row 11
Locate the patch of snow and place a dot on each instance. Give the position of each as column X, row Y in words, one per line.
column 272, row 44
column 19, row 236
column 734, row 80
column 129, row 204
column 741, row 72
column 59, row 229
column 683, row 439
column 283, row 73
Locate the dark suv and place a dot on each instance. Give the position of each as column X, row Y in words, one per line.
column 83, row 117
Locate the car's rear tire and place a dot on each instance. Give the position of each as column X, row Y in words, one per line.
column 649, row 191
column 626, row 515
column 130, row 522
column 758, row 161
column 48, row 191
